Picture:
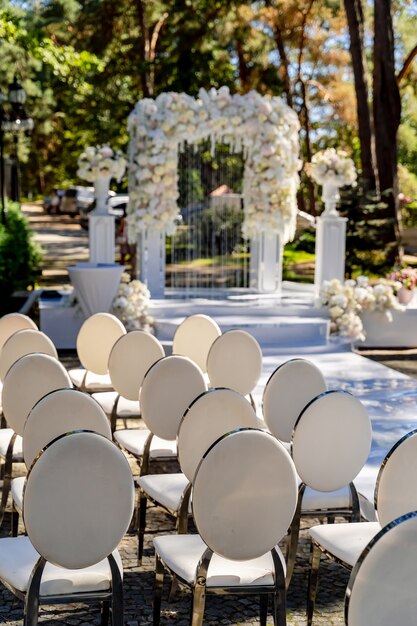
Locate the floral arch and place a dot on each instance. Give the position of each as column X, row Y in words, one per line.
column 263, row 127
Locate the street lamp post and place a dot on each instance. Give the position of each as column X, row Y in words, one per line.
column 14, row 121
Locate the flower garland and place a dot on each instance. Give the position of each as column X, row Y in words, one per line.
column 101, row 161
column 263, row 127
column 332, row 167
column 131, row 304
column 346, row 301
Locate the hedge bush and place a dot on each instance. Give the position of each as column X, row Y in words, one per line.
column 20, row 256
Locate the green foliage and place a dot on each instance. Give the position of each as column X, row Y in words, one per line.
column 20, row 257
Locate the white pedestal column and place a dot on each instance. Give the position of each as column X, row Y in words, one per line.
column 101, row 238
column 151, row 261
column 266, row 254
column 330, row 249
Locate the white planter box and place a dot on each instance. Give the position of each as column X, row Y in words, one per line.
column 381, row 333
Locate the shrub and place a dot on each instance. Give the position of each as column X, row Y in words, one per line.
column 20, row 257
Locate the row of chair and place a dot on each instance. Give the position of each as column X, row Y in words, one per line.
column 333, row 422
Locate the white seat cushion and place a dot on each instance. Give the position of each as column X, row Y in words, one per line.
column 18, row 557
column 166, row 489
column 5, row 435
column 17, row 492
column 181, row 553
column 134, row 440
column 93, row 382
column 125, row 408
column 345, row 541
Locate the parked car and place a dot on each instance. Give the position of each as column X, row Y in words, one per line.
column 117, row 204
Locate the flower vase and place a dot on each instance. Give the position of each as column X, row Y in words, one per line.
column 101, row 194
column 405, row 295
column 330, row 197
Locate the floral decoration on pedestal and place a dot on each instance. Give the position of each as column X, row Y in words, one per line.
column 332, row 169
column 263, row 127
column 346, row 301
column 405, row 282
column 131, row 304
column 98, row 165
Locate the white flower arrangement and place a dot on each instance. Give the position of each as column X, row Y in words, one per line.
column 332, row 167
column 100, row 161
column 131, row 304
column 263, row 127
column 346, row 301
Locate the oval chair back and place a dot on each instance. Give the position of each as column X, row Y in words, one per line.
column 11, row 323
column 212, row 415
column 24, row 342
column 235, row 362
column 59, row 412
column 331, row 441
column 395, row 491
column 27, row 381
column 169, row 387
column 95, row 340
column 194, row 338
column 78, row 500
column 130, row 358
column 381, row 588
column 289, row 389
column 232, row 520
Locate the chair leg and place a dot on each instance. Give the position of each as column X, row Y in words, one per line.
column 141, row 523
column 173, row 588
column 159, row 583
column 263, row 601
column 292, row 545
column 7, row 478
column 15, row 523
column 198, row 603
column 32, row 594
column 313, row 580
column 117, row 608
column 105, row 613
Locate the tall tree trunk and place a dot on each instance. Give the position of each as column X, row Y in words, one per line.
column 387, row 116
column 355, row 18
column 143, row 49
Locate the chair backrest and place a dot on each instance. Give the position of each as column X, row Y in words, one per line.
column 395, row 491
column 235, row 361
column 96, row 338
column 21, row 343
column 289, row 389
column 130, row 358
column 382, row 586
column 194, row 338
column 78, row 500
column 59, row 412
column 168, row 389
column 211, row 415
column 331, row 441
column 27, row 381
column 244, row 494
column 11, row 323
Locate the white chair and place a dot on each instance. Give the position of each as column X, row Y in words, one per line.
column 395, row 495
column 168, row 388
column 235, row 549
column 77, row 506
column 194, row 338
column 331, row 442
column 24, row 342
column 213, row 414
column 382, row 586
column 59, row 412
column 95, row 339
column 130, row 358
column 235, row 361
column 11, row 323
column 27, row 381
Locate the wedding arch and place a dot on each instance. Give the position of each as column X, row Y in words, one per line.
column 264, row 128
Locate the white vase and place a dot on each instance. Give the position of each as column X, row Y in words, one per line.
column 405, row 295
column 101, row 194
column 330, row 197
